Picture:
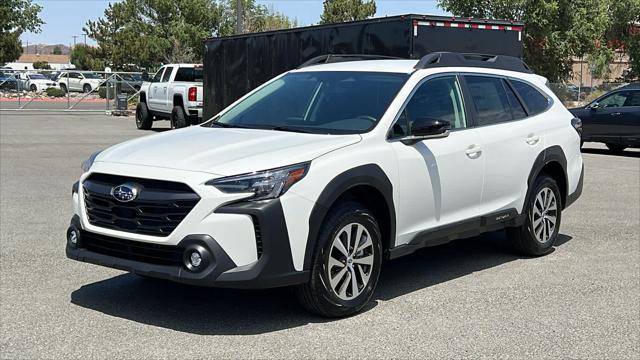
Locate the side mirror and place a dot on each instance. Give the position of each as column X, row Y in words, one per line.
column 427, row 128
column 595, row 106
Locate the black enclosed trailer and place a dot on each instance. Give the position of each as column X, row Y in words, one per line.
column 235, row 65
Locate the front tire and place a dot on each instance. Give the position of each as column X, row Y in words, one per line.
column 543, row 212
column 346, row 263
column 144, row 120
column 33, row 88
column 178, row 118
column 63, row 87
column 616, row 148
column 86, row 88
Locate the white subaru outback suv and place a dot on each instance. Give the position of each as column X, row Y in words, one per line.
column 316, row 177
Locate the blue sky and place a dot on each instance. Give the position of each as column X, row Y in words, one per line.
column 65, row 18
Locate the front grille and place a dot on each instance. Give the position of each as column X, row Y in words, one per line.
column 158, row 209
column 132, row 250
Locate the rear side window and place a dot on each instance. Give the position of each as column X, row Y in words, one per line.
column 489, row 99
column 516, row 107
column 535, row 101
column 633, row 99
column 189, row 74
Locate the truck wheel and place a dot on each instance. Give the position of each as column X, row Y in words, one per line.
column 86, row 88
column 543, row 211
column 616, row 148
column 144, row 120
column 178, row 118
column 346, row 263
column 63, row 87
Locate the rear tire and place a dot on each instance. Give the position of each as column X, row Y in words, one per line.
column 349, row 248
column 616, row 148
column 543, row 212
column 144, row 120
column 178, row 118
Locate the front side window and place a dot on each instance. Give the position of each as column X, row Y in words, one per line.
column 439, row 99
column 327, row 102
column 535, row 101
column 158, row 75
column 74, row 75
column 489, row 99
column 167, row 74
column 616, row 99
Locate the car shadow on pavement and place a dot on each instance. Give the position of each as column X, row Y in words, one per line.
column 625, row 153
column 211, row 311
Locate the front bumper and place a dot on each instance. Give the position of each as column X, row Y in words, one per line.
column 273, row 268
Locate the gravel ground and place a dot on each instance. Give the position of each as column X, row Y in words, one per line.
column 470, row 298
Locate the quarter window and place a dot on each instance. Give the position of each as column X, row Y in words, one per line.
column 516, row 107
column 535, row 101
column 489, row 99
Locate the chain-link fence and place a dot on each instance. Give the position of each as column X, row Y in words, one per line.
column 69, row 90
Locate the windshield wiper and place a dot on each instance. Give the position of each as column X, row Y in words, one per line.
column 223, row 125
column 290, row 129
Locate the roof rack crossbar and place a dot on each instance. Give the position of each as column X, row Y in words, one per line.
column 450, row 59
column 336, row 58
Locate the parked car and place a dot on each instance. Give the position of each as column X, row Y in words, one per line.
column 174, row 93
column 316, row 177
column 613, row 118
column 130, row 83
column 79, row 81
column 8, row 81
column 35, row 82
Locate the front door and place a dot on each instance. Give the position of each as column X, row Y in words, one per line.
column 155, row 96
column 440, row 180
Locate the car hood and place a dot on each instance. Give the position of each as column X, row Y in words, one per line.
column 224, row 151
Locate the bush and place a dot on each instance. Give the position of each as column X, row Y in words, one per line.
column 55, row 92
column 43, row 65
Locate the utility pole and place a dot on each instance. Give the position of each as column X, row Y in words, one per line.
column 85, row 39
column 239, row 16
column 74, row 39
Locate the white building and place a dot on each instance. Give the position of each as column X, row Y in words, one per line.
column 57, row 62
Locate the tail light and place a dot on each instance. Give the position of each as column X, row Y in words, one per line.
column 193, row 94
column 577, row 124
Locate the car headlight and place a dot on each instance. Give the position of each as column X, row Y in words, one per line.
column 267, row 184
column 86, row 165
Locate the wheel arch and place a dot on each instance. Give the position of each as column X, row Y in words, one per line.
column 143, row 97
column 367, row 184
column 551, row 161
column 178, row 101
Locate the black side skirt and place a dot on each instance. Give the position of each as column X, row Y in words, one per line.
column 460, row 230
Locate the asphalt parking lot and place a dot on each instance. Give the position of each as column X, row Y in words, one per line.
column 471, row 298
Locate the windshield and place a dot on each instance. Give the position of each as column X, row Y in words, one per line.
column 91, row 75
column 37, row 77
column 337, row 102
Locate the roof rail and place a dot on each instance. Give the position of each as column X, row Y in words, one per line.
column 450, row 59
column 336, row 58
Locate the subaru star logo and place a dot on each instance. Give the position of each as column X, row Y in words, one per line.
column 125, row 192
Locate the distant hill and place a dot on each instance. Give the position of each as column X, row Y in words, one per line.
column 44, row 49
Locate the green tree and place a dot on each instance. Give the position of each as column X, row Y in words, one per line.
column 336, row 11
column 257, row 17
column 56, row 50
column 556, row 31
column 145, row 32
column 86, row 57
column 624, row 31
column 41, row 65
column 16, row 17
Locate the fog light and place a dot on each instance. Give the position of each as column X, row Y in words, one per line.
column 73, row 237
column 195, row 259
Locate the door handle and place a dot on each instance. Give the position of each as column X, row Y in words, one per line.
column 473, row 152
column 616, row 114
column 532, row 139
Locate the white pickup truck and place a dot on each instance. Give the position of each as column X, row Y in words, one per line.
column 174, row 93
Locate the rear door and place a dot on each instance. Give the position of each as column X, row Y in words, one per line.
column 630, row 122
column 511, row 140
